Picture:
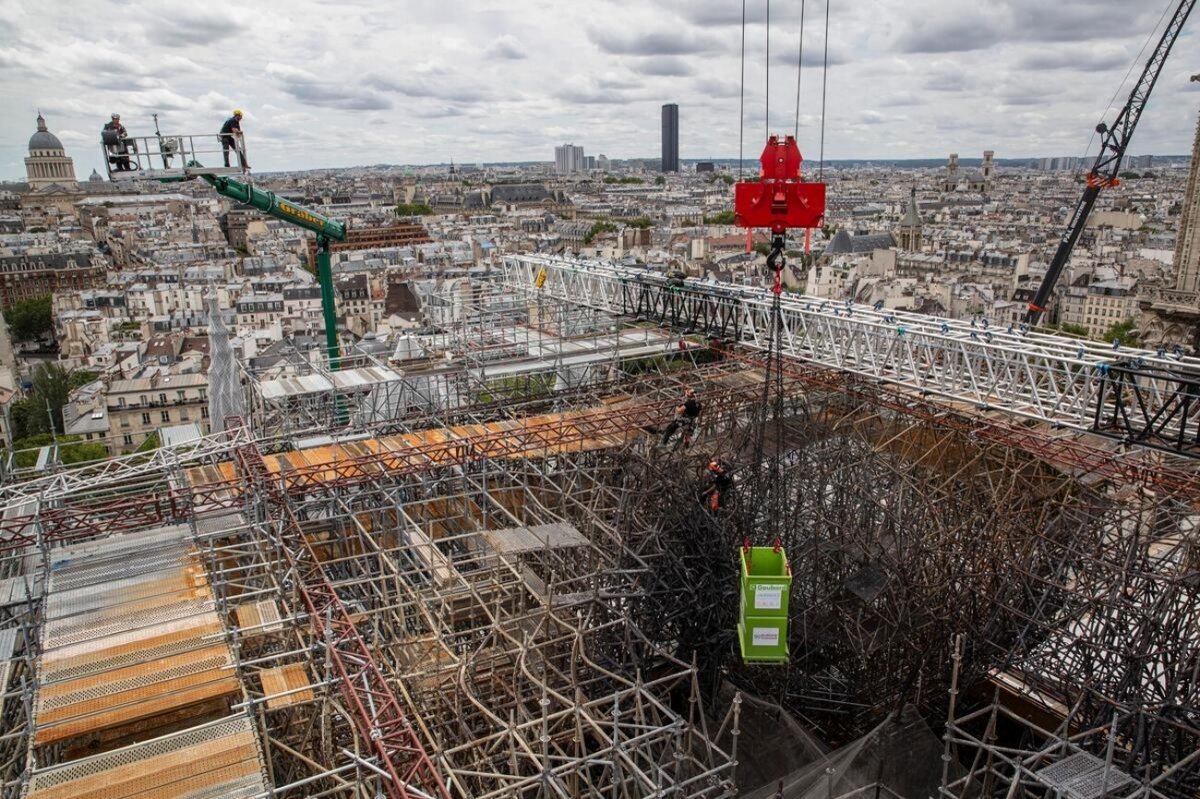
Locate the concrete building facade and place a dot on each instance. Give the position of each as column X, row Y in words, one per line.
column 137, row 408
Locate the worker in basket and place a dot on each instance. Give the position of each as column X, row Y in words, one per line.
column 231, row 138
column 116, row 142
column 686, row 415
column 720, row 481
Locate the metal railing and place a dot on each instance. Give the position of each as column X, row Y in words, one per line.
column 1139, row 396
column 175, row 156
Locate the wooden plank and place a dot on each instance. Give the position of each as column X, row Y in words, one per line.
column 156, row 642
column 202, row 764
column 203, row 689
column 286, row 678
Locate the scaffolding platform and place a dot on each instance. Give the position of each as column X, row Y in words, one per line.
column 171, row 158
column 131, row 633
column 216, row 759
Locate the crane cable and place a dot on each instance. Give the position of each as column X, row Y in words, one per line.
column 799, row 71
column 824, row 83
column 1137, row 59
column 742, row 98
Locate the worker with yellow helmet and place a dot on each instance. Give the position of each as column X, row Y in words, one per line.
column 231, row 135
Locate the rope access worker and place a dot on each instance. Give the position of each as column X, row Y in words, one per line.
column 116, row 141
column 720, row 482
column 231, row 138
column 686, row 415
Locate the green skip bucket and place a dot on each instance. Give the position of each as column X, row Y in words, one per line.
column 763, row 619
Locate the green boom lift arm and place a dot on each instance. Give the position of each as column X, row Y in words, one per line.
column 326, row 229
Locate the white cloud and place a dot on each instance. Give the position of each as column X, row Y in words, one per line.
column 415, row 82
column 506, row 46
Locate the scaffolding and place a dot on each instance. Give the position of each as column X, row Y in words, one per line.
column 487, row 349
column 518, row 593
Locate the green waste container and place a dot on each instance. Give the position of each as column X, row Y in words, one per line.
column 766, row 583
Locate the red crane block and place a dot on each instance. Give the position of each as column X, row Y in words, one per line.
column 780, row 200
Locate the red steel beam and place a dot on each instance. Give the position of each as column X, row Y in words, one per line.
column 1072, row 453
column 377, row 713
column 80, row 520
column 528, row 439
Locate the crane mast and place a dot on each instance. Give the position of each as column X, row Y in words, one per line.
column 326, row 229
column 1114, row 140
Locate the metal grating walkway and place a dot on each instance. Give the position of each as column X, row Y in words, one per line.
column 214, row 760
column 130, row 633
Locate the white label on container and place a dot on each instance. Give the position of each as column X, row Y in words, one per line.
column 768, row 597
column 766, row 636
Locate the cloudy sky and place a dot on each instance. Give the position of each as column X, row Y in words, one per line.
column 418, row 81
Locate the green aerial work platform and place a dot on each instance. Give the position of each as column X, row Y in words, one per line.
column 171, row 159
column 766, row 583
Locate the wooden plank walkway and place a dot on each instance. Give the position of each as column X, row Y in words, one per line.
column 217, row 759
column 535, row 436
column 131, row 641
column 127, row 634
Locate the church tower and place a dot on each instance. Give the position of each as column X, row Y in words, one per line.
column 47, row 163
column 1187, row 240
column 910, row 225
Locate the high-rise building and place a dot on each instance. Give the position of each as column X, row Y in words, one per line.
column 1187, row 240
column 568, row 158
column 670, row 138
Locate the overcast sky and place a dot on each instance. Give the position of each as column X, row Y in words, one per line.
column 418, row 81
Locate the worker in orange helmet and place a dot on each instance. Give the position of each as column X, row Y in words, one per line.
column 720, row 482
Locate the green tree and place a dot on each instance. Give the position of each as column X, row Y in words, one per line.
column 51, row 388
column 597, row 228
column 722, row 218
column 83, row 452
column 28, row 419
column 81, row 377
column 29, row 319
column 71, row 449
column 1124, row 332
column 1070, row 329
column 660, row 181
column 640, row 222
column 413, row 209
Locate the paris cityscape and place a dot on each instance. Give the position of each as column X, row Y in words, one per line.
column 673, row 404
